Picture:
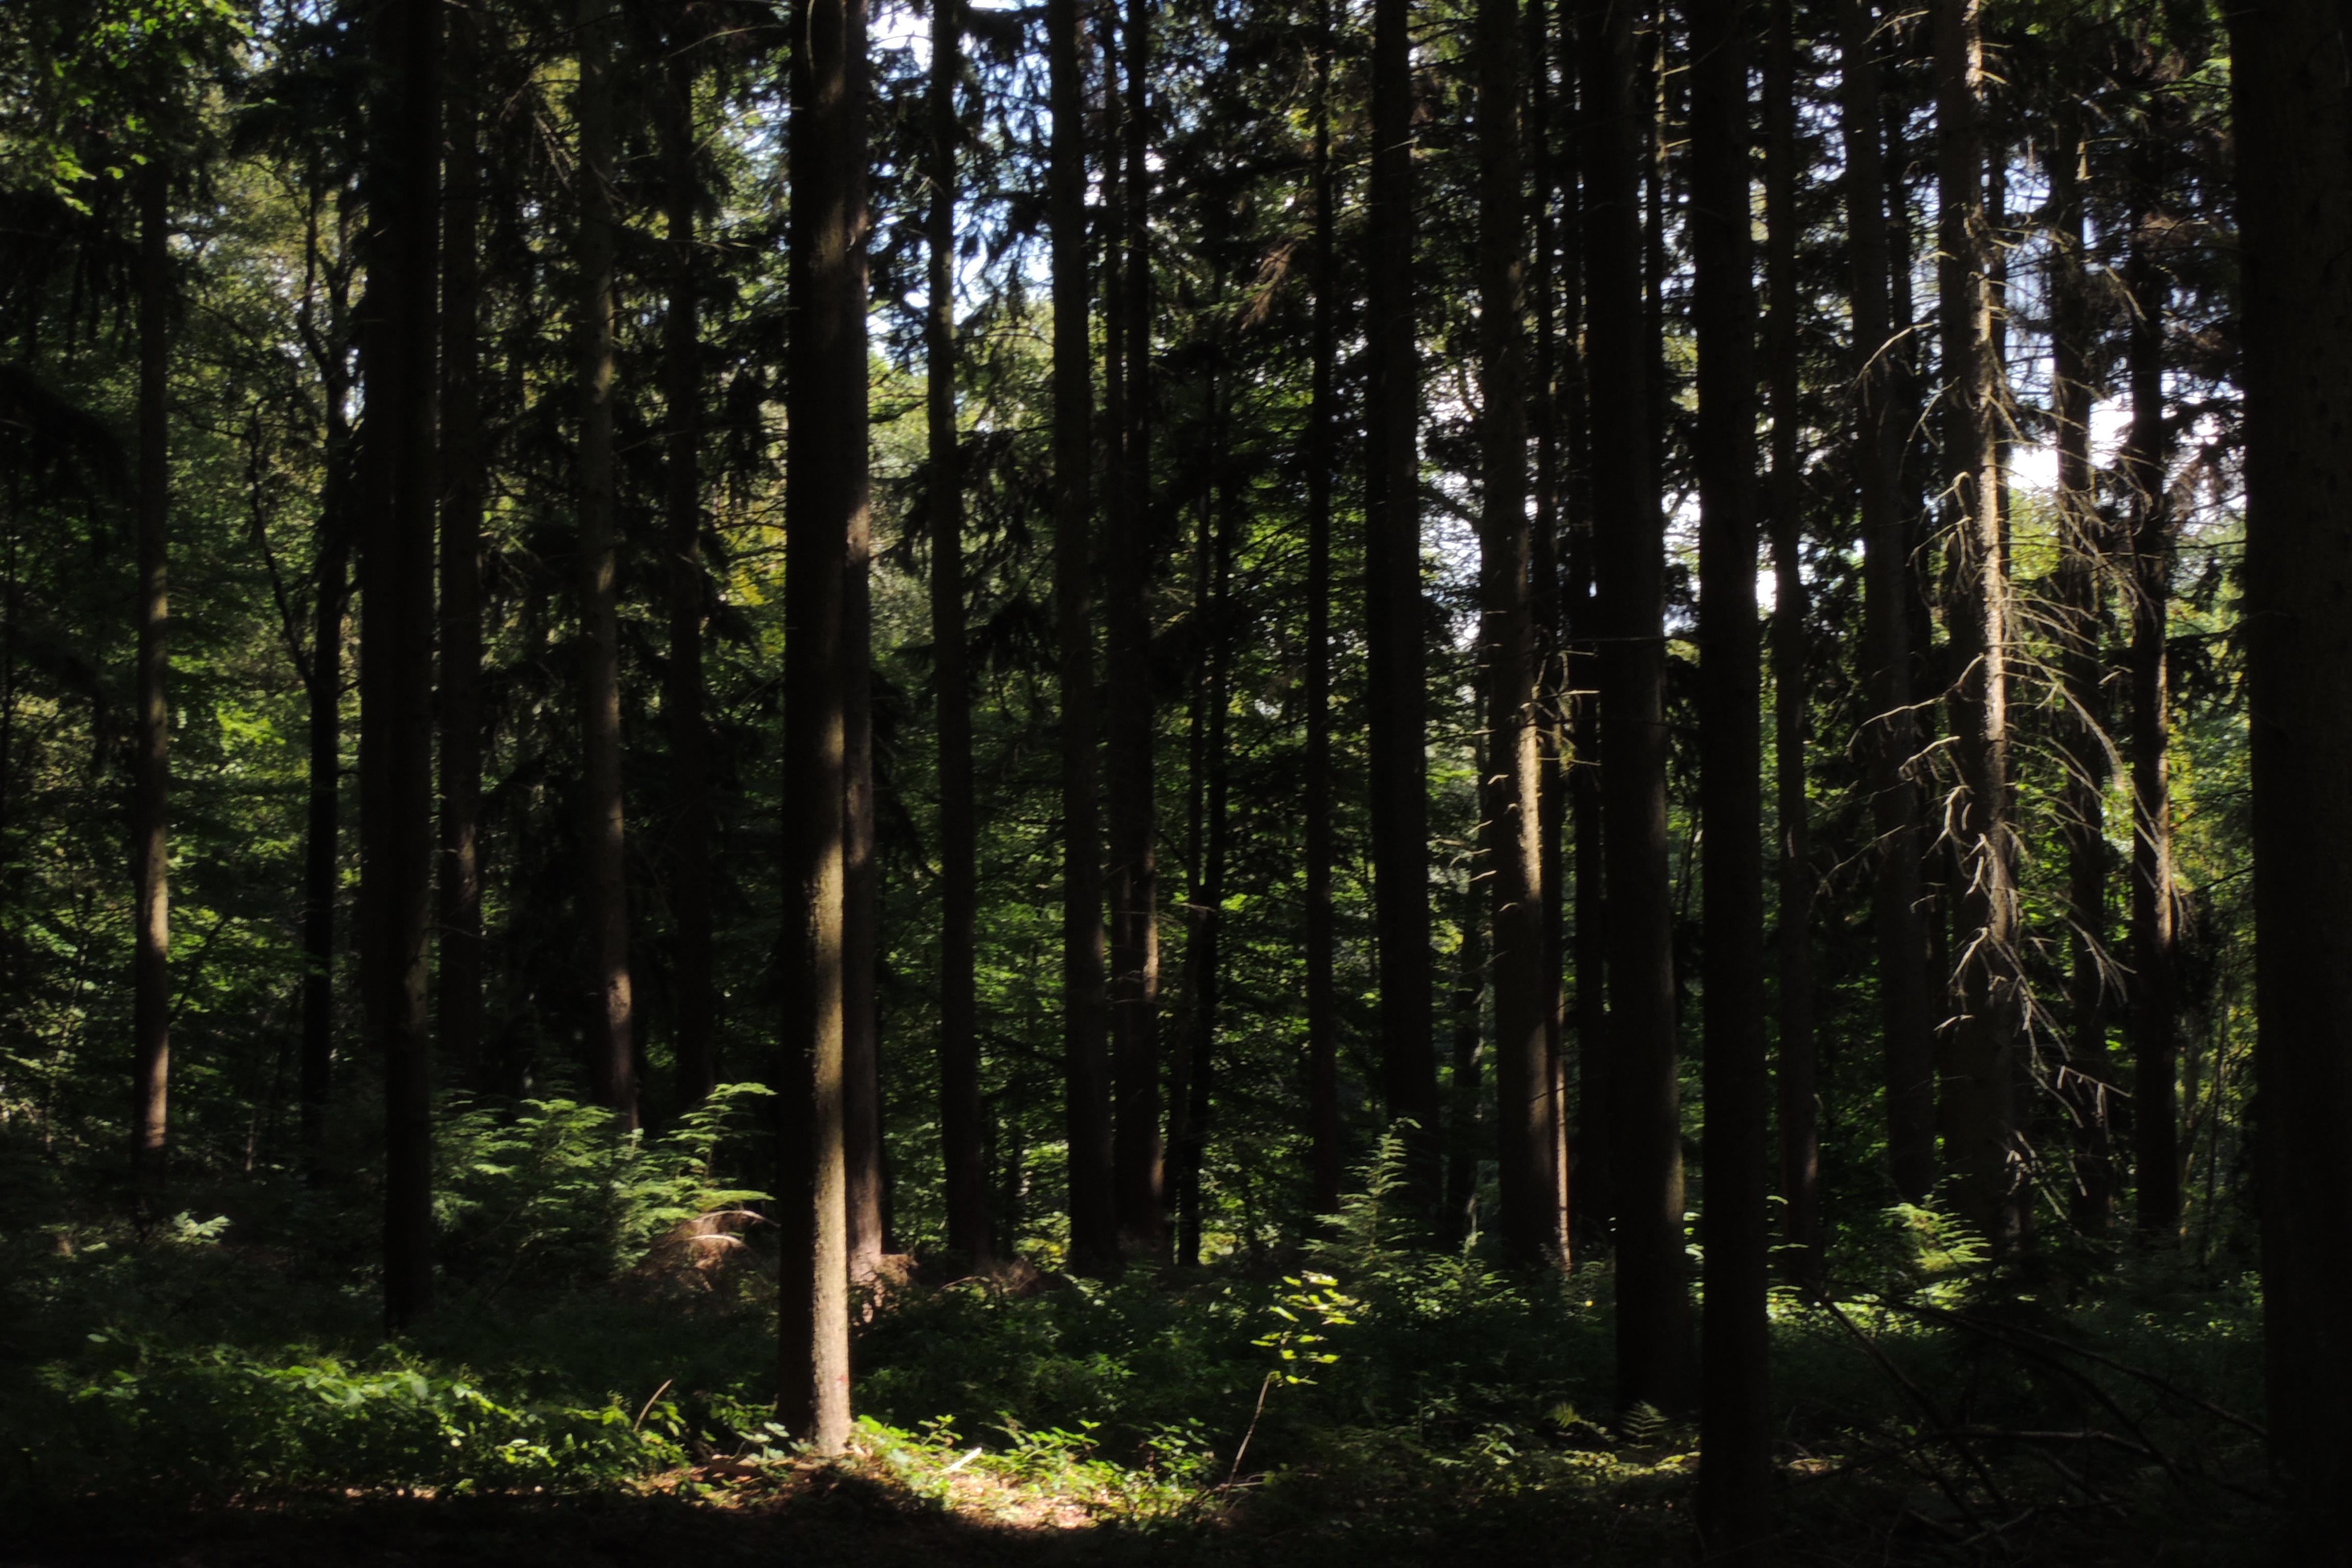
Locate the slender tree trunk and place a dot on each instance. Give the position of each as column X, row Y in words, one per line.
column 396, row 836
column 1653, row 1340
column 151, row 780
column 604, row 871
column 1981, row 1117
column 2291, row 91
column 1528, row 1142
column 962, row 1121
column 1464, row 1141
column 1734, row 1500
column 1891, row 737
column 2156, row 1111
column 464, row 484
column 695, row 1003
column 1392, row 611
column 827, row 480
column 1203, row 954
column 1800, row 1141
column 2082, row 729
column 1134, row 836
column 1322, row 998
column 1094, row 1240
column 867, row 1192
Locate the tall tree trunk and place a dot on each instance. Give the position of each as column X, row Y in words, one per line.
column 696, row 1002
column 2086, row 1083
column 2156, row 1112
column 1527, row 1140
column 1980, row 1092
column 604, row 869
column 397, row 838
column 962, row 1121
column 1134, row 853
column 1891, row 736
column 464, row 485
column 1094, row 1239
column 2291, row 91
column 827, row 480
column 1463, row 1143
column 1800, row 1141
column 1653, row 1339
column 1734, row 1498
column 1322, row 998
column 1205, row 914
column 867, row 1177
column 1392, row 611
column 150, row 779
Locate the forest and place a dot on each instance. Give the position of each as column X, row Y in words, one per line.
column 1317, row 782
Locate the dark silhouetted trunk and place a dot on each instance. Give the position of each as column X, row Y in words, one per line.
column 603, row 866
column 1653, row 1339
column 827, row 480
column 396, row 836
column 1094, row 1240
column 1465, row 1135
column 963, row 1131
column 2291, row 91
column 464, row 487
column 1322, row 1001
column 867, row 1192
column 150, row 777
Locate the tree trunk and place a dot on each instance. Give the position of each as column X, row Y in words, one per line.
column 1094, row 1239
column 603, row 869
column 962, row 1121
column 1463, row 1143
column 1322, row 1001
column 1527, row 1139
column 1204, row 970
column 1734, row 1496
column 1393, row 612
column 2155, row 1001
column 396, row 836
column 150, row 779
column 827, row 480
column 1653, row 1340
column 861, row 917
column 2082, row 730
column 696, row 1002
column 464, row 485
column 1891, row 737
column 2292, row 61
column 1799, row 1141
column 1981, row 1118
column 1134, row 854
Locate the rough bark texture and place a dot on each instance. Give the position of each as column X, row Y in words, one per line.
column 1906, row 1019
column 1799, row 1111
column 151, row 781
column 963, row 1125
column 1322, row 1000
column 861, row 917
column 1093, row 1241
column 457, row 982
column 1527, row 1140
column 1735, row 1485
column 397, row 838
column 1653, row 1338
column 1979, row 1093
column 2292, row 90
column 603, row 863
column 827, row 480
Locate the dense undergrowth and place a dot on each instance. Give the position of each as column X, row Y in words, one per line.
column 606, row 1327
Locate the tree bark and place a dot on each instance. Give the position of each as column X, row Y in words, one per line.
column 826, row 477
column 1393, row 615
column 696, row 999
column 1134, row 853
column 1463, row 1143
column 1799, row 1129
column 1653, row 1339
column 1891, row 737
column 1980, row 1092
column 1734, row 1494
column 962, row 1121
column 2292, row 92
column 1211, row 831
column 861, row 919
column 150, row 779
column 1094, row 1239
column 396, row 836
column 1322, row 998
column 1528, row 1142
column 464, row 485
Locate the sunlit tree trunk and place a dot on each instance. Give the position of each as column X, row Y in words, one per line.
column 151, row 784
